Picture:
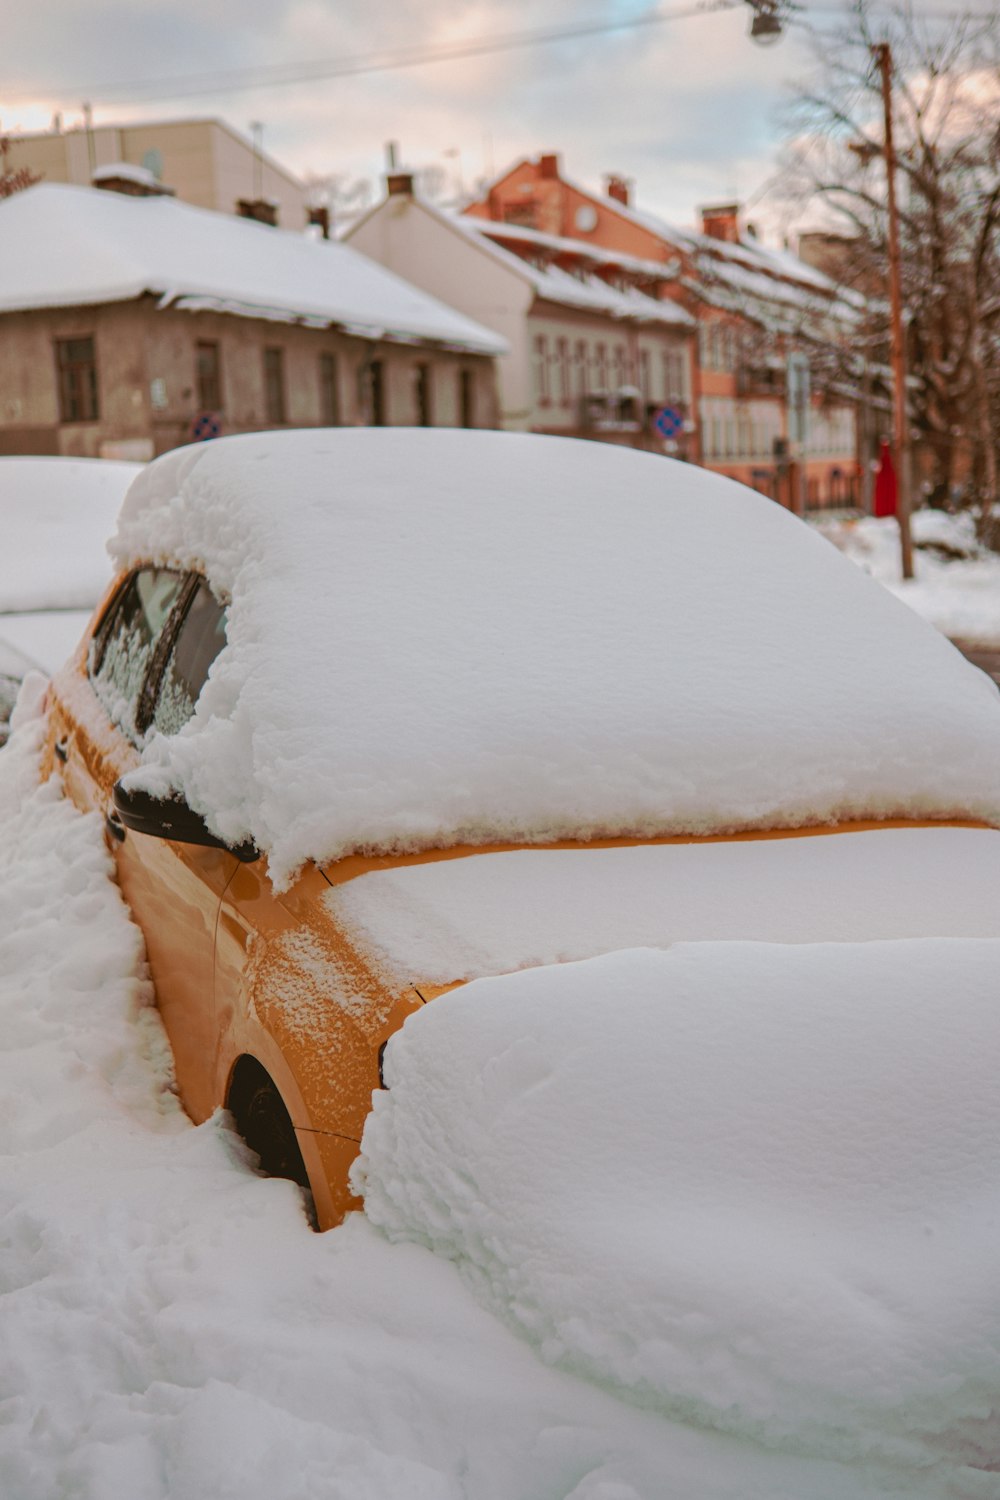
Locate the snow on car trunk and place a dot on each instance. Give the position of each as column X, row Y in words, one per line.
column 754, row 1186
column 439, row 637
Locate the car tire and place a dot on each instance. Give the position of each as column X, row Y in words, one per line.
column 264, row 1123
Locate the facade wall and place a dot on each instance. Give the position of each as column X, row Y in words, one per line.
column 148, row 389
column 205, row 162
column 417, row 244
column 541, row 384
column 577, row 355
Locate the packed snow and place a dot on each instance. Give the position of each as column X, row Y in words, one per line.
column 750, row 1186
column 493, row 913
column 172, row 1330
column 440, row 637
column 957, row 582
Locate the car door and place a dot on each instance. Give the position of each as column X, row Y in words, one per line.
column 145, row 667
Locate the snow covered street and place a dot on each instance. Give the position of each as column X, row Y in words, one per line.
column 172, row 1330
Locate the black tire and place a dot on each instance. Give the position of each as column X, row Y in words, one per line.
column 265, row 1124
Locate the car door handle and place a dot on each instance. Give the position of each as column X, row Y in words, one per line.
column 61, row 748
column 114, row 825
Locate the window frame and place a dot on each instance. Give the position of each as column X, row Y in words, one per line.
column 208, row 381
column 275, row 385
column 76, row 381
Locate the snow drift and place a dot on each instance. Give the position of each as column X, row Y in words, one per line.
column 751, row 1186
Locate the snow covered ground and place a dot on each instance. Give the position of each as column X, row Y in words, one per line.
column 957, row 582
column 172, row 1330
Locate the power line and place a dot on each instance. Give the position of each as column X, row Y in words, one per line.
column 280, row 74
column 194, row 85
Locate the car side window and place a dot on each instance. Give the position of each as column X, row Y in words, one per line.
column 201, row 637
column 124, row 646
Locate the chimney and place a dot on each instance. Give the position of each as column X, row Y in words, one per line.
column 320, row 216
column 618, row 189
column 721, row 222
column 263, row 210
column 548, row 165
column 399, row 184
column 133, row 182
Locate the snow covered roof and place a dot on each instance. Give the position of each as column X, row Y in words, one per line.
column 440, row 637
column 70, row 246
column 586, row 290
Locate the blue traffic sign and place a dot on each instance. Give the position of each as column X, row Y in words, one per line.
column 668, row 421
column 206, row 426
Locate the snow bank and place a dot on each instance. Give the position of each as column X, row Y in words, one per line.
column 57, row 515
column 492, row 913
column 752, row 1186
column 957, row 583
column 440, row 637
column 173, row 1331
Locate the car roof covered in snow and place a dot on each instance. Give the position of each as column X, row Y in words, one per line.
column 441, row 637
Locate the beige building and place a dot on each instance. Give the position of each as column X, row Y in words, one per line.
column 130, row 325
column 592, row 351
column 204, row 162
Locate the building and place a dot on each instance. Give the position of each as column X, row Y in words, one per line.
column 593, row 350
column 132, row 324
column 768, row 406
column 206, row 163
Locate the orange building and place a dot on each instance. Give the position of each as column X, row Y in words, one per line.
column 766, row 407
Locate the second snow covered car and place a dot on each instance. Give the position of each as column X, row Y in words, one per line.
column 372, row 713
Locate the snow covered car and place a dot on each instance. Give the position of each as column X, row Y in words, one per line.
column 371, row 713
column 57, row 516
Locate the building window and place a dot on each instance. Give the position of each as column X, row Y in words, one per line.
column 77, row 368
column 621, row 366
column 580, row 363
column 329, row 391
column 562, row 364
column 465, row 399
column 422, row 394
column 208, row 377
column 541, row 369
column 602, row 368
column 373, row 381
column 645, row 384
column 274, row 385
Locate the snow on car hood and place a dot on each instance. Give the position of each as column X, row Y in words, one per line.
column 438, row 637
column 459, row 919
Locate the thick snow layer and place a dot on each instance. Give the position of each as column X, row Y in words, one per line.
column 746, row 1185
column 65, row 246
column 493, row 913
column 57, row 515
column 172, row 1330
column 957, row 583
column 440, row 637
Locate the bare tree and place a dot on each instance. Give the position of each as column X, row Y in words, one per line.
column 946, row 103
column 13, row 179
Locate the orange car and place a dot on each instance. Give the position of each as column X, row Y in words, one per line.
column 278, row 1003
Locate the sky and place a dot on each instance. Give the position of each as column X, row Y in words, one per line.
column 689, row 109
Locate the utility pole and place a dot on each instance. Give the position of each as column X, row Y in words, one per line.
column 883, row 56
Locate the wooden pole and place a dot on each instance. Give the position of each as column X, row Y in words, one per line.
column 901, row 434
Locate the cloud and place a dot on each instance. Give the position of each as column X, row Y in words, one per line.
column 685, row 108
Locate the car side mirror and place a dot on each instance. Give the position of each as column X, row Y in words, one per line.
column 171, row 818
